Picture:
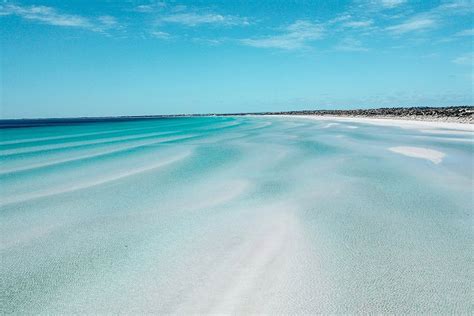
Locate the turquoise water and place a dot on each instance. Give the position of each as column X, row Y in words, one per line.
column 235, row 215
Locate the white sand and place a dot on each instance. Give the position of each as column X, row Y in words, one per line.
column 419, row 152
column 33, row 149
column 331, row 124
column 249, row 274
column 94, row 182
column 98, row 153
column 412, row 124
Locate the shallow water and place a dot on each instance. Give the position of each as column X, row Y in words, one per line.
column 235, row 215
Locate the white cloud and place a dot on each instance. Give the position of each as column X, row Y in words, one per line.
column 45, row 15
column 468, row 32
column 466, row 59
column 419, row 23
column 359, row 24
column 51, row 16
column 458, row 7
column 340, row 18
column 295, row 36
column 208, row 41
column 391, row 3
column 434, row 17
column 146, row 8
column 108, row 21
column 160, row 34
column 351, row 45
column 195, row 19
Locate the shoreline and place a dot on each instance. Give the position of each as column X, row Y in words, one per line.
column 447, row 117
column 404, row 122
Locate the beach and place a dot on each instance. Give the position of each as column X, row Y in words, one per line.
column 415, row 123
column 237, row 215
column 171, row 157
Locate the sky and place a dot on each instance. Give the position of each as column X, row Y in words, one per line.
column 106, row 58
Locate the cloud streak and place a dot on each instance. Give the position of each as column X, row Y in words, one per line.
column 51, row 16
column 195, row 19
column 45, row 15
column 295, row 36
column 343, row 32
column 433, row 18
column 160, row 35
column 413, row 25
column 391, row 3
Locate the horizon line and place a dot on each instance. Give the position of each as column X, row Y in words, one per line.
column 150, row 116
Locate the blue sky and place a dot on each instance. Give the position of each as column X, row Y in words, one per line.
column 97, row 58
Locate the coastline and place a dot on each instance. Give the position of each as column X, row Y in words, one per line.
column 403, row 122
column 444, row 120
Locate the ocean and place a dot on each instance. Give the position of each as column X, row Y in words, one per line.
column 238, row 215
